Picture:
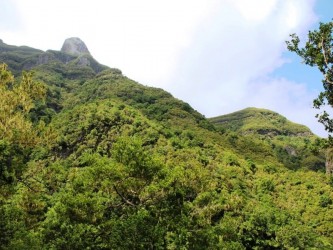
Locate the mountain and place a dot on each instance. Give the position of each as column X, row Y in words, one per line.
column 75, row 46
column 290, row 143
column 261, row 122
column 90, row 159
column 74, row 54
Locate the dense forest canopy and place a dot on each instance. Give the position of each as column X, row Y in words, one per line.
column 90, row 159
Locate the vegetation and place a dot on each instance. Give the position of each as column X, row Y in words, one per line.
column 261, row 121
column 102, row 162
column 262, row 130
column 318, row 52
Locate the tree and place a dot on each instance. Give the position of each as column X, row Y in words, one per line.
column 318, row 52
column 17, row 133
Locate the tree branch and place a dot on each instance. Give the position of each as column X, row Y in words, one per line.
column 325, row 61
column 123, row 198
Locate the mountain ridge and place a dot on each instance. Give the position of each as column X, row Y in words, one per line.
column 258, row 119
column 76, row 52
column 103, row 158
column 73, row 51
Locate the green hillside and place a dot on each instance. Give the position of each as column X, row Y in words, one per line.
column 292, row 144
column 90, row 159
column 262, row 122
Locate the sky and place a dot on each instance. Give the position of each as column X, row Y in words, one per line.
column 220, row 56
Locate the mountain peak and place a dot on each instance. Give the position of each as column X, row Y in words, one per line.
column 74, row 46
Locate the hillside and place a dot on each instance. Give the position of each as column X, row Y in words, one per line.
column 261, row 122
column 20, row 58
column 291, row 143
column 90, row 159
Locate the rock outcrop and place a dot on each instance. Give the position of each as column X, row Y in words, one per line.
column 74, row 46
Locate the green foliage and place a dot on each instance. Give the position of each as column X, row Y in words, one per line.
column 17, row 135
column 117, row 165
column 318, row 52
column 271, row 136
column 260, row 121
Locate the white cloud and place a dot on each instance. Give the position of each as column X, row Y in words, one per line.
column 143, row 38
column 256, row 10
column 9, row 18
column 215, row 54
column 227, row 65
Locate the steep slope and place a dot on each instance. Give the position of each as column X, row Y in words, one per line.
column 117, row 160
column 74, row 77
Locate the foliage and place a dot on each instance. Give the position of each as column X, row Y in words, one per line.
column 113, row 164
column 17, row 135
column 318, row 52
column 266, row 133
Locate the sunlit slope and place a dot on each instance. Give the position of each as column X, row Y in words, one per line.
column 262, row 122
column 291, row 143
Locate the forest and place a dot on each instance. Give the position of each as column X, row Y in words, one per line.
column 90, row 159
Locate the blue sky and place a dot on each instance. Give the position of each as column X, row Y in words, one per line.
column 294, row 69
column 299, row 72
column 324, row 8
column 218, row 55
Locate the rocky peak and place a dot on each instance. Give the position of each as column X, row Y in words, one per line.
column 74, row 46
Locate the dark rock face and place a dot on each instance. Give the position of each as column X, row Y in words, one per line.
column 74, row 46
